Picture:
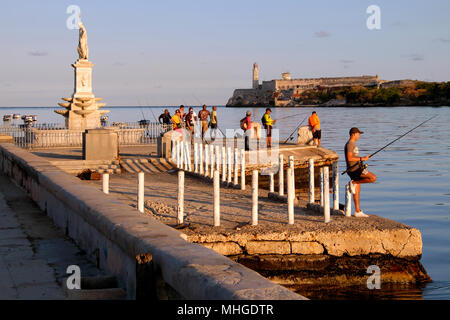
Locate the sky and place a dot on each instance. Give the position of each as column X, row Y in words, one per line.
column 167, row 53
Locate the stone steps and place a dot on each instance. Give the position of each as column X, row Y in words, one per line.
column 151, row 165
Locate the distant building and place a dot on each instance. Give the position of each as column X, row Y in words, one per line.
column 281, row 92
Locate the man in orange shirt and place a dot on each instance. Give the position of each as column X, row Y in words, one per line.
column 314, row 124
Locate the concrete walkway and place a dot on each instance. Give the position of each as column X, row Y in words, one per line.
column 34, row 254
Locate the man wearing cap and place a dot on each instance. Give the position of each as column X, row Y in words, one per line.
column 357, row 173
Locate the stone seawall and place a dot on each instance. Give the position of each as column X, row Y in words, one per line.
column 150, row 259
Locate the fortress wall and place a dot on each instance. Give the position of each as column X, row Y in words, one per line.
column 146, row 255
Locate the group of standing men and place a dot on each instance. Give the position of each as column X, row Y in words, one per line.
column 190, row 119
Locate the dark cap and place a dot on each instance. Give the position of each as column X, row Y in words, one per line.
column 355, row 130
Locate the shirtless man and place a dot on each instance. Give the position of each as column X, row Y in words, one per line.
column 357, row 174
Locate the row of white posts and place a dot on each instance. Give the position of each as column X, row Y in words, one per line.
column 208, row 158
column 204, row 164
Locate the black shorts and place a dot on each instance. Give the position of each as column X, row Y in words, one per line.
column 213, row 125
column 268, row 131
column 356, row 175
column 317, row 134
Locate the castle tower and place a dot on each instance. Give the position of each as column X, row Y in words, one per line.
column 255, row 83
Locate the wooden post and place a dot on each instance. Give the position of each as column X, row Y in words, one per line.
column 281, row 175
column 236, row 167
column 216, row 198
column 311, row 181
column 255, row 198
column 211, row 150
column 326, row 194
column 290, row 195
column 348, row 201
column 335, row 186
column 140, row 197
column 242, row 169
column 180, row 206
column 105, row 180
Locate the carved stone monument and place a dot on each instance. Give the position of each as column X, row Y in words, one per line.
column 82, row 109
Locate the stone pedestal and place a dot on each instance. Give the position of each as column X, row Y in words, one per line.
column 82, row 109
column 100, row 144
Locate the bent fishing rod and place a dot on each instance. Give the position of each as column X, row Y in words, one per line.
column 290, row 137
column 370, row 156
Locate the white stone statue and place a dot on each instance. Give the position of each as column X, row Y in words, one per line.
column 82, row 44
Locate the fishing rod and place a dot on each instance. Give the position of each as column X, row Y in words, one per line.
column 148, row 106
column 140, row 106
column 370, row 156
column 290, row 137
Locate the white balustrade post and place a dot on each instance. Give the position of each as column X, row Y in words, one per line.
column 200, row 160
column 326, row 194
column 224, row 165
column 348, row 201
column 188, row 144
column 177, row 152
column 291, row 162
column 195, row 157
column 335, row 186
column 311, row 181
column 229, row 165
column 211, row 164
column 105, row 180
column 290, row 195
column 173, row 150
column 242, row 169
column 181, row 154
column 216, row 198
column 271, row 183
column 140, row 197
column 281, row 175
column 217, row 158
column 255, row 198
column 236, row 167
column 321, row 186
column 180, row 198
column 207, row 158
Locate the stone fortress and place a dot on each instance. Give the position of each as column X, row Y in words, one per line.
column 281, row 92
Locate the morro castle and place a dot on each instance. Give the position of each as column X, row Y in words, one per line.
column 282, row 92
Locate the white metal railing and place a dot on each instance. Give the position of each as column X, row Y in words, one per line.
column 56, row 135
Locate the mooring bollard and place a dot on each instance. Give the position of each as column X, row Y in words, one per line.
column 326, row 194
column 290, row 195
column 254, row 197
column 236, row 167
column 195, row 157
column 311, row 181
column 321, row 186
column 224, row 165
column 242, row 169
column 229, row 165
column 180, row 198
column 105, row 180
column 206, row 161
column 281, row 176
column 140, row 197
column 216, row 198
column 335, row 186
column 348, row 201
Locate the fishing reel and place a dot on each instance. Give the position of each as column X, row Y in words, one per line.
column 363, row 165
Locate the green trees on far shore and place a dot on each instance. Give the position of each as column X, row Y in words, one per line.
column 419, row 92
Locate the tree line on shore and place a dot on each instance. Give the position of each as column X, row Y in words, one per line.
column 417, row 93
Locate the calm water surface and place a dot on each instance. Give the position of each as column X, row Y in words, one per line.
column 413, row 184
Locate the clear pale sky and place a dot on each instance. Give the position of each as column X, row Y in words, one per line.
column 192, row 52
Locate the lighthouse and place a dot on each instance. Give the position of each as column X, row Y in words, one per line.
column 255, row 83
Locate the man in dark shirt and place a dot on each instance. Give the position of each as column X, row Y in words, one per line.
column 356, row 173
column 204, row 114
column 165, row 117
